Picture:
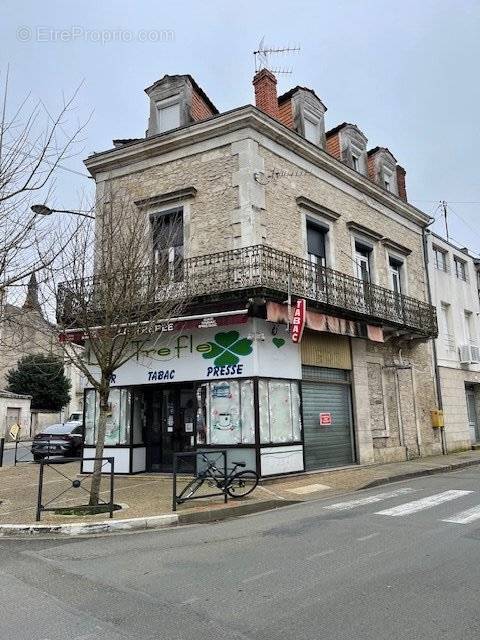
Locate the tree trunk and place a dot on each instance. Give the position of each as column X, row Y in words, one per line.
column 104, row 393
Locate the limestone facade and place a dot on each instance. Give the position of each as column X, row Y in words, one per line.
column 251, row 178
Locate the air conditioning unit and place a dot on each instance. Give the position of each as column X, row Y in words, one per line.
column 464, row 354
column 474, row 354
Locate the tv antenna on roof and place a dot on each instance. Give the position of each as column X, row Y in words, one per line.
column 263, row 53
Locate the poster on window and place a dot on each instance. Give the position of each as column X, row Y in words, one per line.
column 224, row 413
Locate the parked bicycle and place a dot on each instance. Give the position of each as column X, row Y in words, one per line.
column 237, row 484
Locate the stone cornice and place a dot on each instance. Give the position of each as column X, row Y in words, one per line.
column 365, row 231
column 314, row 207
column 244, row 118
column 167, row 198
column 396, row 246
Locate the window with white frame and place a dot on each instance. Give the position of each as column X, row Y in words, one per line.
column 440, row 259
column 470, row 333
column 356, row 155
column 446, row 327
column 168, row 115
column 312, row 130
column 387, row 179
column 460, row 269
column 363, row 261
column 167, row 242
column 316, row 243
column 396, row 274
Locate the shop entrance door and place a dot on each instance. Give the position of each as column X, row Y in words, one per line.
column 169, row 424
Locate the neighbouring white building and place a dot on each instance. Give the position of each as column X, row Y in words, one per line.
column 14, row 409
column 454, row 288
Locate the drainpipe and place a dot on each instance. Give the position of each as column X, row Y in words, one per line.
column 401, row 433
column 435, row 354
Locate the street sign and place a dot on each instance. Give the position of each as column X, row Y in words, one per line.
column 15, row 431
column 325, row 419
column 298, row 322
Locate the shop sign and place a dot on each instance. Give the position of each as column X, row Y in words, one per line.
column 325, row 419
column 151, row 329
column 244, row 350
column 298, row 321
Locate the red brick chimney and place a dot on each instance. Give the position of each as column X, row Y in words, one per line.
column 402, row 189
column 266, row 99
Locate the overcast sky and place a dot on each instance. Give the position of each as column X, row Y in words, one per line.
column 405, row 72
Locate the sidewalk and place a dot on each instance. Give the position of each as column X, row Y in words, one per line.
column 147, row 496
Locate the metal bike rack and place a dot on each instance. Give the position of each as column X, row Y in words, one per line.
column 195, row 454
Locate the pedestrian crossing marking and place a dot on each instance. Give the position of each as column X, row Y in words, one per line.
column 309, row 488
column 360, row 502
column 465, row 517
column 424, row 503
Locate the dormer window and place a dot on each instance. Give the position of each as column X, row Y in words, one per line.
column 312, row 130
column 387, row 179
column 168, row 114
column 347, row 143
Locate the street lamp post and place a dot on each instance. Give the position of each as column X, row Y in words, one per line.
column 44, row 210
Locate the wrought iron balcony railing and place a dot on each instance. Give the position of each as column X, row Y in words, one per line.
column 262, row 270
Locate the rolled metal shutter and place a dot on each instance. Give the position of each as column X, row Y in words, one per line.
column 331, row 445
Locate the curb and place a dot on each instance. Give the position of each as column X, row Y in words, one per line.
column 196, row 517
column 215, row 515
column 89, row 528
column 422, row 472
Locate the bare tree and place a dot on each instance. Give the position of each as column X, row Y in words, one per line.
column 119, row 281
column 33, row 145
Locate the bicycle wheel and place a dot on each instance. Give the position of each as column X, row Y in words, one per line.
column 192, row 487
column 242, row 483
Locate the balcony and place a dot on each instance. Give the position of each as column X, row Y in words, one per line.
column 263, row 271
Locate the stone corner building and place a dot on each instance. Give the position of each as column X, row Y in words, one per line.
column 268, row 203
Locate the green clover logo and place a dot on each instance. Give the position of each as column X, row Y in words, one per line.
column 227, row 348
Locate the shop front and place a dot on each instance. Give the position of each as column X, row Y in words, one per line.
column 235, row 387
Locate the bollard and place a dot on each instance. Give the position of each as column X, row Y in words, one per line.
column 2, row 447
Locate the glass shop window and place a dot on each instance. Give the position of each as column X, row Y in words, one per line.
column 118, row 420
column 225, row 413
column 139, row 412
column 279, row 411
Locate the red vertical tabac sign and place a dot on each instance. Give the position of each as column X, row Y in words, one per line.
column 298, row 322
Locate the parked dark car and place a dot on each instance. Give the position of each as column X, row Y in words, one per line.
column 64, row 440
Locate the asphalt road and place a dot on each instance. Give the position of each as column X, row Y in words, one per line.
column 396, row 562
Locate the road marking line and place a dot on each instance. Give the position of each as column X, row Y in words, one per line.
column 424, row 503
column 259, row 576
column 320, row 554
column 465, row 517
column 360, row 502
column 309, row 488
column 190, row 601
column 371, row 535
